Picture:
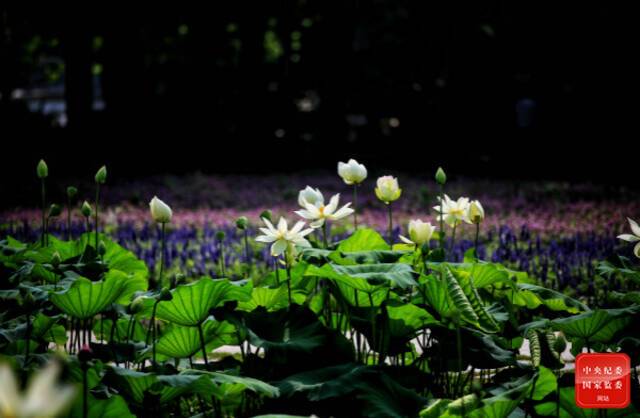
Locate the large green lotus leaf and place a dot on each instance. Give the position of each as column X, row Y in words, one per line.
column 112, row 407
column 133, row 384
column 503, row 403
column 368, row 390
column 434, row 292
column 411, row 316
column 349, row 293
column 533, row 296
column 484, row 274
column 248, row 383
column 599, row 325
column 364, row 239
column 84, row 298
column 328, row 272
column 272, row 299
column 400, row 275
column 367, row 257
column 181, row 342
column 41, row 255
column 136, row 330
column 401, row 324
column 191, row 302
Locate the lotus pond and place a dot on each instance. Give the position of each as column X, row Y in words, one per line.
column 395, row 302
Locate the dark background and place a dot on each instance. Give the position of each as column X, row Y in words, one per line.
column 500, row 89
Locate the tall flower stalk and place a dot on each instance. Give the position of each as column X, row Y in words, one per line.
column 284, row 241
column 43, row 172
column 441, row 179
column 388, row 191
column 476, row 216
column 100, row 178
column 353, row 174
column 161, row 214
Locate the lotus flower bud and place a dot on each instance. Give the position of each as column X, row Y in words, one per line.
column 441, row 177
column 54, row 210
column 71, row 192
column 220, row 236
column 177, row 279
column 101, row 175
column 136, row 306
column 160, row 211
column 310, row 195
column 85, row 354
column 266, row 214
column 476, row 212
column 387, row 189
column 86, row 209
column 352, row 172
column 165, row 294
column 42, row 170
column 56, row 259
column 242, row 223
column 102, row 248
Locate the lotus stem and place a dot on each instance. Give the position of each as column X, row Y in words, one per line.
column 453, row 238
column 355, row 207
column 441, row 217
column 324, row 235
column 44, row 220
column 390, row 225
column 289, row 282
column 162, row 251
column 96, row 213
column 477, row 240
column 203, row 345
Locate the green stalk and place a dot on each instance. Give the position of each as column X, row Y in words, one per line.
column 203, row 345
column 390, row 225
column 246, row 251
column 453, row 237
column 477, row 239
column 162, row 251
column 44, row 203
column 441, row 217
column 355, row 207
column 96, row 212
column 289, row 282
column 324, row 235
column 222, row 266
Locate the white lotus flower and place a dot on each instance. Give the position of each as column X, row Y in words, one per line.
column 160, row 211
column 352, row 172
column 310, row 195
column 44, row 397
column 635, row 237
column 387, row 189
column 454, row 211
column 475, row 212
column 419, row 232
column 282, row 237
column 318, row 214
